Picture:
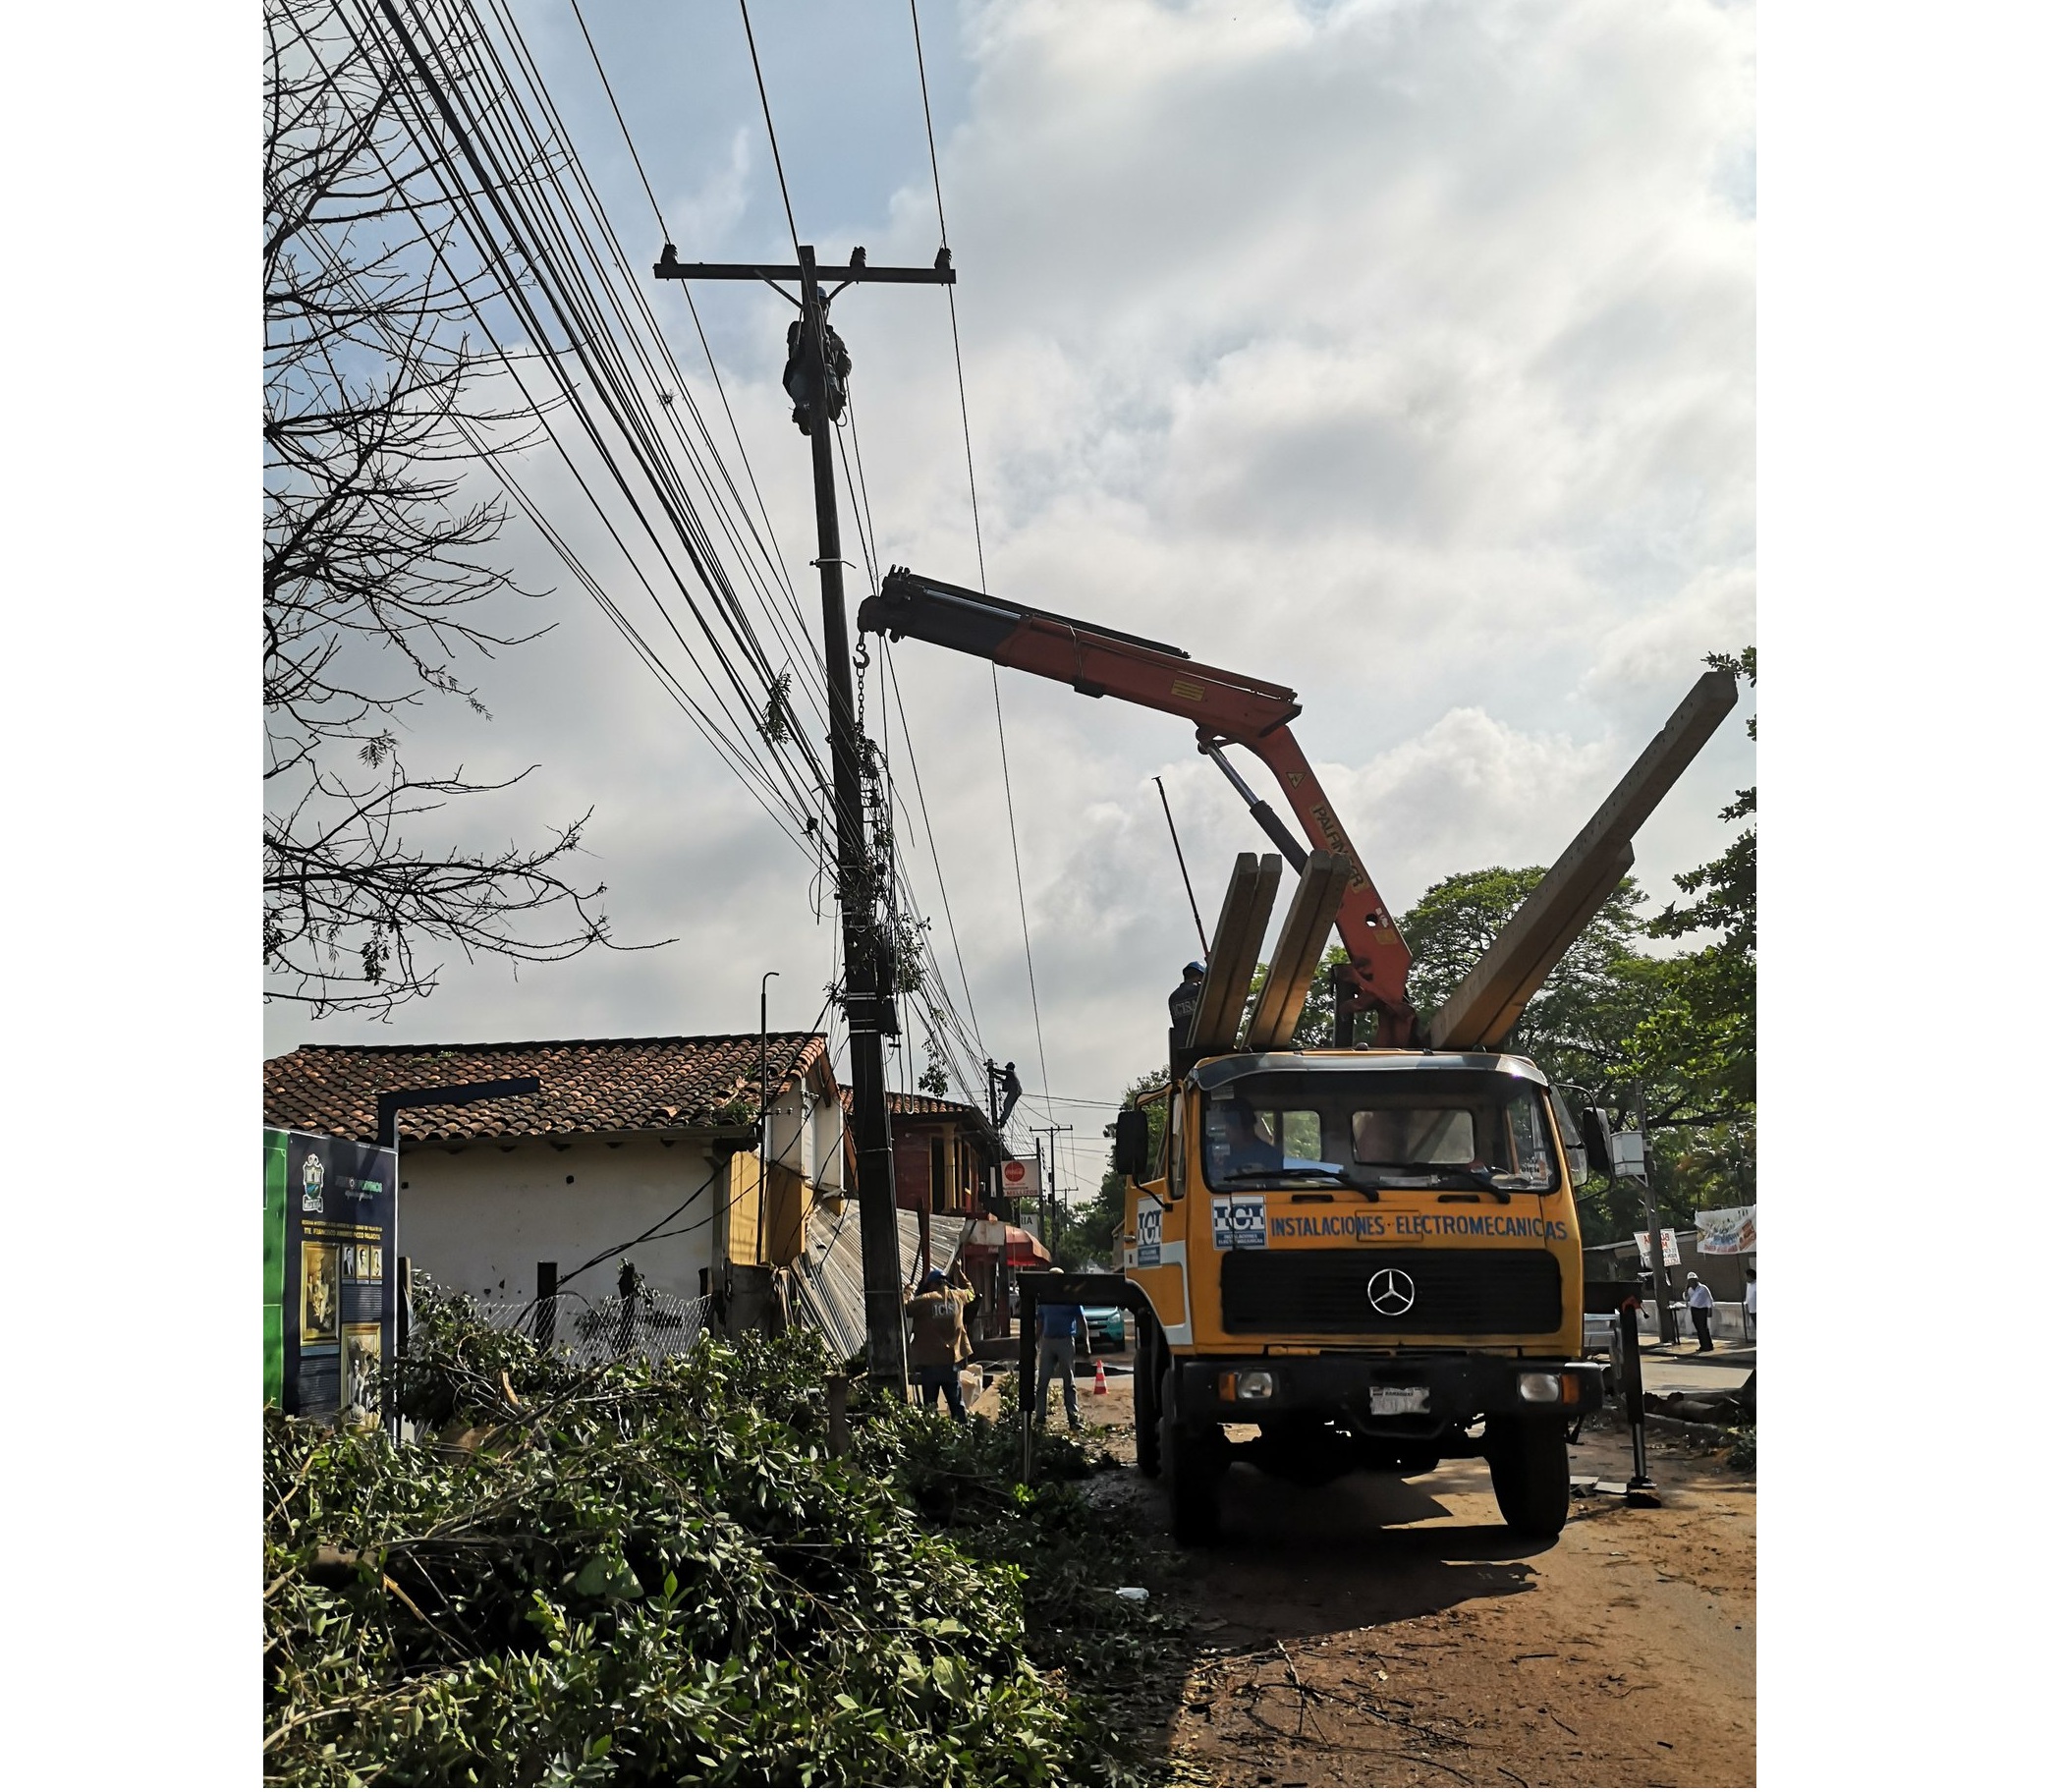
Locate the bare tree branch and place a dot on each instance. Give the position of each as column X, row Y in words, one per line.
column 373, row 567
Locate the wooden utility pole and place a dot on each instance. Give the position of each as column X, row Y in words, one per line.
column 1049, row 1190
column 866, row 1005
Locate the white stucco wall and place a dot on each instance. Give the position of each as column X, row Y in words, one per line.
column 480, row 1218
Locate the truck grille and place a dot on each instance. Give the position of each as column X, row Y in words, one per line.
column 1487, row 1292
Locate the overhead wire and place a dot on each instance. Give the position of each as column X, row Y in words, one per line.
column 774, row 562
column 614, row 106
column 893, row 682
column 635, row 421
column 964, row 416
column 565, row 291
column 517, row 169
column 937, row 997
column 778, row 167
column 708, row 725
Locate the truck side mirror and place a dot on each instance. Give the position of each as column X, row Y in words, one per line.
column 1132, row 1143
column 1594, row 1135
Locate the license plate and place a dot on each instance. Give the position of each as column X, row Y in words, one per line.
column 1386, row 1402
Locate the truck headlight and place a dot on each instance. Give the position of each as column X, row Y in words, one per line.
column 1249, row 1385
column 1537, row 1385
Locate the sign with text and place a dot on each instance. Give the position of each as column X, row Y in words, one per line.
column 1728, row 1231
column 336, row 1280
column 1019, row 1178
column 1668, row 1243
column 1238, row 1222
column 1151, row 1232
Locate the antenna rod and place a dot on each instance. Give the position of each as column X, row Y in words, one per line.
column 1182, row 857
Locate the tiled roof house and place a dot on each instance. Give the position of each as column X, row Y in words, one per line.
column 624, row 1137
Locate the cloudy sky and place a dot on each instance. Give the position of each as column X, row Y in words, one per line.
column 1400, row 353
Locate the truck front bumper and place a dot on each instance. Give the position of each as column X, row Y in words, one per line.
column 1395, row 1393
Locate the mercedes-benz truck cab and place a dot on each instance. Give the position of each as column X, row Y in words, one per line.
column 1372, row 1256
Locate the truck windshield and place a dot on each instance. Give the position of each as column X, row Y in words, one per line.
column 1429, row 1129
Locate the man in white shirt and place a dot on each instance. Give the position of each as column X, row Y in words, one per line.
column 1751, row 1305
column 1700, row 1305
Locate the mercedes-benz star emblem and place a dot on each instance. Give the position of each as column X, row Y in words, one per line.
column 1392, row 1293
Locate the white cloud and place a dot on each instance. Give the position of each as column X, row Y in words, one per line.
column 1470, row 791
column 709, row 208
column 1714, row 611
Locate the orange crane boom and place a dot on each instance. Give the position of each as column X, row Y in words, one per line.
column 1224, row 708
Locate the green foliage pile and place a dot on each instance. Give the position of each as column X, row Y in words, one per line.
column 657, row 1575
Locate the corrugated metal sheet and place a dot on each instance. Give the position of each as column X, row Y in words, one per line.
column 830, row 1277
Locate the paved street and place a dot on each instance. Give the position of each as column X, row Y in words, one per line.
column 1678, row 1369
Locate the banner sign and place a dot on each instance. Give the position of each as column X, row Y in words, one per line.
column 331, row 1286
column 1019, row 1178
column 1729, row 1231
column 1668, row 1243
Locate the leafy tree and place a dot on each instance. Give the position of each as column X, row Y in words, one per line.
column 374, row 575
column 1709, row 1029
column 1574, row 1025
column 1088, row 1234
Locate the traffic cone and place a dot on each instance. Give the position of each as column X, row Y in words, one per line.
column 1100, row 1377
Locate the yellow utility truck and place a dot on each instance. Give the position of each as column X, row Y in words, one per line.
column 1368, row 1252
column 1373, row 1256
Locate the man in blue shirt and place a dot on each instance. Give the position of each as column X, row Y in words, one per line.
column 1056, row 1328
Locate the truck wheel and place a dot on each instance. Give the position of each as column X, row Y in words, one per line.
column 1527, row 1458
column 1144, row 1391
column 1191, row 1461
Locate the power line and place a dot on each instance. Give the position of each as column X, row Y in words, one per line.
column 932, row 991
column 565, row 289
column 744, row 7
column 609, row 89
column 742, row 758
column 965, row 418
column 802, row 647
column 936, row 181
column 893, row 680
column 1021, row 900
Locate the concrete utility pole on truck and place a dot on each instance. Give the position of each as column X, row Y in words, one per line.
column 1371, row 1254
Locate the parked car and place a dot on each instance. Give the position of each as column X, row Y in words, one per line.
column 1107, row 1331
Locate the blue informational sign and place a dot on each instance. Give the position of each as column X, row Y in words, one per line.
column 341, row 1275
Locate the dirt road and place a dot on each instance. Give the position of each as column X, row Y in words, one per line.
column 1379, row 1632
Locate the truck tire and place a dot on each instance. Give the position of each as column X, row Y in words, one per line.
column 1143, row 1400
column 1190, row 1459
column 1527, row 1459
